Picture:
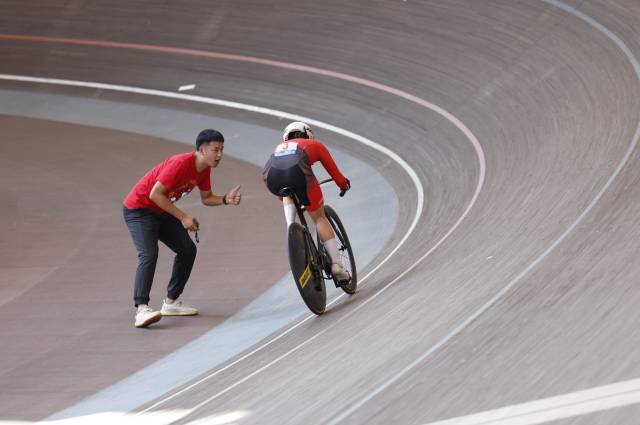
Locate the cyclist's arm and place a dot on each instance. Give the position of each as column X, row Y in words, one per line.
column 320, row 152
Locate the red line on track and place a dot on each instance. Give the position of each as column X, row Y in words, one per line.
column 226, row 56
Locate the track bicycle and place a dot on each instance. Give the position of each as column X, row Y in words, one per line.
column 310, row 263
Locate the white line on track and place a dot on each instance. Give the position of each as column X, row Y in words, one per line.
column 555, row 408
column 161, row 417
column 412, row 174
column 498, row 296
column 187, row 87
column 260, row 110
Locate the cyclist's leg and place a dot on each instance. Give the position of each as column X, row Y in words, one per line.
column 276, row 179
column 315, row 208
column 289, row 210
column 328, row 237
column 325, row 231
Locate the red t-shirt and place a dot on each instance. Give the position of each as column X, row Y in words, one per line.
column 177, row 173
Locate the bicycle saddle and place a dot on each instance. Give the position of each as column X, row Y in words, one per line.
column 286, row 191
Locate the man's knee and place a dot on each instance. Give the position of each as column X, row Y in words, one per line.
column 189, row 250
column 148, row 257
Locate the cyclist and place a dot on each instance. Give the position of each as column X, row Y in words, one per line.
column 290, row 166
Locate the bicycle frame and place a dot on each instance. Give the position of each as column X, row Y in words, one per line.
column 320, row 261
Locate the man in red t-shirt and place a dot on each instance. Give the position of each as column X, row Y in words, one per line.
column 290, row 166
column 151, row 216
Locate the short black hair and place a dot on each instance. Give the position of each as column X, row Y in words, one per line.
column 207, row 136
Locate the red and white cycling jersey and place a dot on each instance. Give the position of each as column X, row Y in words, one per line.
column 302, row 153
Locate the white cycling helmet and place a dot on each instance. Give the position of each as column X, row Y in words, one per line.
column 297, row 126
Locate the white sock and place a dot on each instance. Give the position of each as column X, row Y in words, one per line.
column 332, row 248
column 290, row 213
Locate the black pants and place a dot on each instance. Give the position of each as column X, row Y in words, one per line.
column 147, row 228
column 292, row 177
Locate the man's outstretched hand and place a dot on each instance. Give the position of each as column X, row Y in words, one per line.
column 233, row 196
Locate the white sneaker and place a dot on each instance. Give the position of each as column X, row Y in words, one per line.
column 146, row 316
column 340, row 273
column 178, row 308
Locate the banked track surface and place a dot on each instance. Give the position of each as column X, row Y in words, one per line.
column 554, row 103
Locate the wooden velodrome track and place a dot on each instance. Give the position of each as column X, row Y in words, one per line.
column 518, row 283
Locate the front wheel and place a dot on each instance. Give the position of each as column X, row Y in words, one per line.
column 303, row 259
column 344, row 247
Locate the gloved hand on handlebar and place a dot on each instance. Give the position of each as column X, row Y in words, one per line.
column 344, row 189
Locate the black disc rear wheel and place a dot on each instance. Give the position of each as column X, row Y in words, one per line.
column 302, row 253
